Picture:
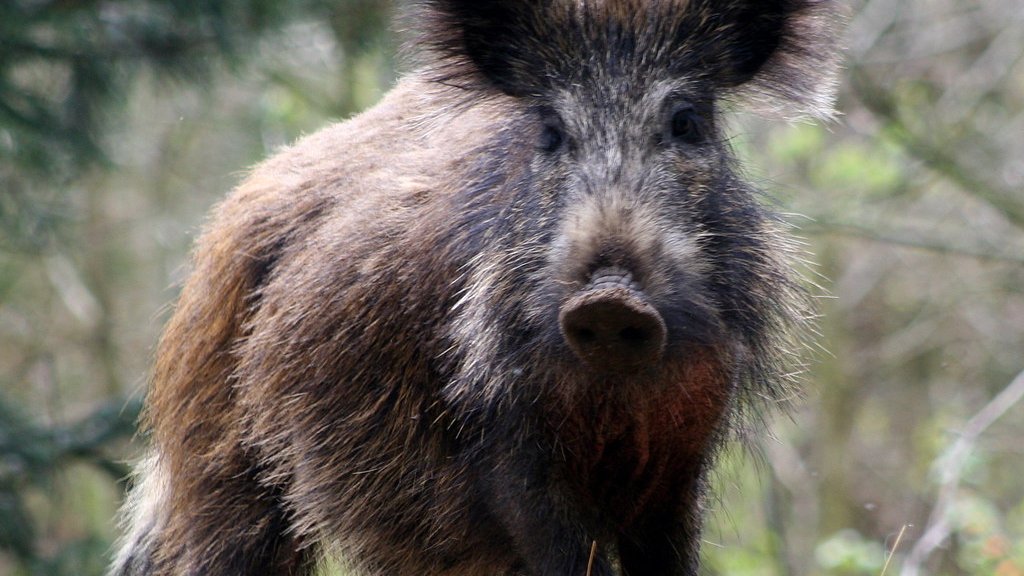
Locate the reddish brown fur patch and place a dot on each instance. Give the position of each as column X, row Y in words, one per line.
column 628, row 456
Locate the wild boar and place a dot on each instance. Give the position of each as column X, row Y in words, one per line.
column 502, row 322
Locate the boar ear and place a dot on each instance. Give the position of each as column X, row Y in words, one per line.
column 783, row 55
column 495, row 39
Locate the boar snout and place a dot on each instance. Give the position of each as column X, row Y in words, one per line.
column 611, row 325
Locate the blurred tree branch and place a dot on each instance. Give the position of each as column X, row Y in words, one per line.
column 871, row 231
column 28, row 449
column 934, row 151
column 951, row 466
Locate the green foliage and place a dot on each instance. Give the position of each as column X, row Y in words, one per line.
column 854, row 171
column 31, row 458
column 108, row 115
column 989, row 544
column 847, row 553
column 63, row 64
column 66, row 67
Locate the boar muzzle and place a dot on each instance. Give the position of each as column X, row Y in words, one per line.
column 610, row 323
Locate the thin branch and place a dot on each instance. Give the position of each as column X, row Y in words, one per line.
column 824, row 225
column 45, row 448
column 593, row 554
column 953, row 460
column 892, row 551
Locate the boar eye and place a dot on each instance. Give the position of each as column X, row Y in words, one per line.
column 551, row 138
column 687, row 125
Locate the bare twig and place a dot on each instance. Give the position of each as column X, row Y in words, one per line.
column 938, row 528
column 892, row 551
column 593, row 553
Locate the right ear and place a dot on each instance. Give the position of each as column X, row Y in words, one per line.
column 782, row 54
column 499, row 39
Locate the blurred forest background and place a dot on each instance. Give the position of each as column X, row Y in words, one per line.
column 121, row 123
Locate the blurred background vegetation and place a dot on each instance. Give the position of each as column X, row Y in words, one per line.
column 122, row 123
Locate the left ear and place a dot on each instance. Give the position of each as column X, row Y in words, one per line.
column 506, row 42
column 782, row 54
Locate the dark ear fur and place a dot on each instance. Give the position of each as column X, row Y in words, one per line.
column 501, row 39
column 779, row 53
column 752, row 34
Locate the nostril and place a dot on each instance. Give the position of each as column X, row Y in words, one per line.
column 584, row 335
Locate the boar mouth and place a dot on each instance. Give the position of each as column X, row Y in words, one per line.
column 611, row 325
